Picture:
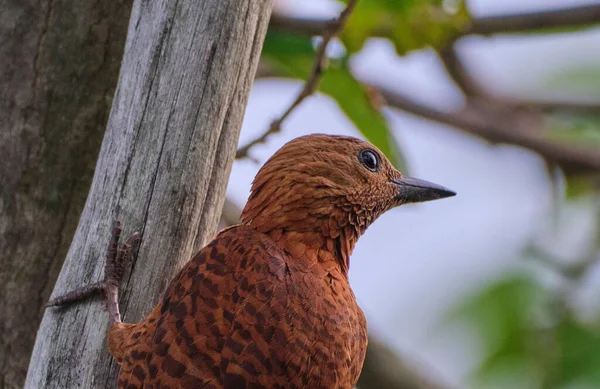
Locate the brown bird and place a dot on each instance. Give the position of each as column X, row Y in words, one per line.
column 267, row 303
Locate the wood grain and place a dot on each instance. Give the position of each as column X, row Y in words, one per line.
column 59, row 66
column 165, row 159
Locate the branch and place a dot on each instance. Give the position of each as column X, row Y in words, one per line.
column 517, row 23
column 560, row 18
column 576, row 108
column 504, row 24
column 455, row 68
column 382, row 368
column 385, row 369
column 478, row 118
column 300, row 26
column 572, row 159
column 332, row 29
column 457, row 72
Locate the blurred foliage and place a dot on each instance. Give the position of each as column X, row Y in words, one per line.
column 528, row 323
column 503, row 316
column 529, row 336
column 581, row 186
column 583, row 80
column 527, row 340
column 580, row 357
column 575, row 129
column 409, row 25
column 293, row 56
column 531, row 331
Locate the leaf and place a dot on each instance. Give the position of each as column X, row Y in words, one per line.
column 581, row 130
column 409, row 24
column 507, row 371
column 580, row 355
column 581, row 186
column 293, row 56
column 503, row 316
column 500, row 309
column 583, row 79
column 356, row 102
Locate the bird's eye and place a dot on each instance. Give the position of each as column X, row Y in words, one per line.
column 369, row 159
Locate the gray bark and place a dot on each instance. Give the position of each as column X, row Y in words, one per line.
column 170, row 142
column 59, row 65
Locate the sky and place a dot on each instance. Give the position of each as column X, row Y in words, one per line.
column 417, row 260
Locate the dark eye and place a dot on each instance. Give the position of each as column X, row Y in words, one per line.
column 369, row 159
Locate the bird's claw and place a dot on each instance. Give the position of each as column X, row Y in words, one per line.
column 116, row 262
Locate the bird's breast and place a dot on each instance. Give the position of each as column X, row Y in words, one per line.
column 327, row 328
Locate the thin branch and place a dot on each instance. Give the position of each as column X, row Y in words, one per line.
column 455, row 68
column 562, row 18
column 517, row 23
column 576, row 108
column 572, row 159
column 383, row 368
column 477, row 120
column 457, row 71
column 300, row 26
column 310, row 86
column 503, row 24
column 512, row 23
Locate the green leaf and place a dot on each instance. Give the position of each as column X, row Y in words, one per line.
column 580, row 355
column 293, row 56
column 577, row 130
column 355, row 101
column 500, row 309
column 507, row 371
column 503, row 316
column 409, row 24
column 521, row 353
column 581, row 186
column 583, row 79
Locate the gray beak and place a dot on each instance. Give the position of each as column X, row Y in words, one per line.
column 413, row 190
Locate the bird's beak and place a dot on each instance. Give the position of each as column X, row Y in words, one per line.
column 413, row 190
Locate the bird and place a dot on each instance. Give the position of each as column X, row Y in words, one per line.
column 267, row 303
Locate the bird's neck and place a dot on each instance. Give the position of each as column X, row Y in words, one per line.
column 307, row 249
column 308, row 229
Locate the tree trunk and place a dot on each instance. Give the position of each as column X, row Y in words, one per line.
column 165, row 159
column 59, row 65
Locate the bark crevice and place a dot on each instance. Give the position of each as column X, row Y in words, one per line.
column 163, row 166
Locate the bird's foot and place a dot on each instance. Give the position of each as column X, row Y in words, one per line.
column 116, row 261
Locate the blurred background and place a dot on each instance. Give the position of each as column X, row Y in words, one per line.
column 499, row 101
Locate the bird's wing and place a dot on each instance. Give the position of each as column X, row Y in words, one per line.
column 225, row 311
column 288, row 330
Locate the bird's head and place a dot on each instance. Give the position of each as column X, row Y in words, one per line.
column 330, row 184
